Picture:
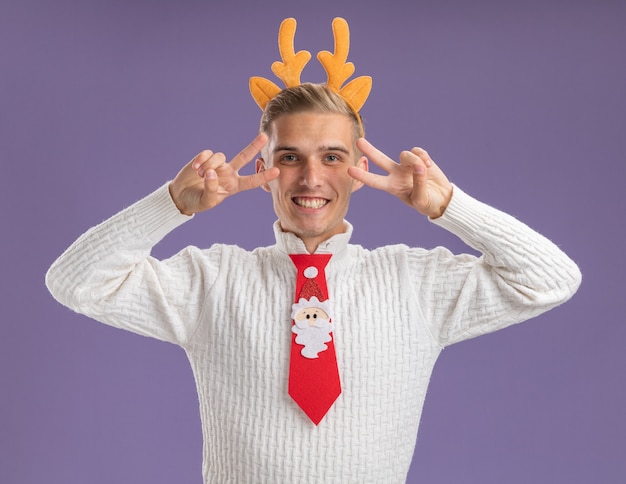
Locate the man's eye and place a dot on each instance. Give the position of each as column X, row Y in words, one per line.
column 332, row 158
column 288, row 158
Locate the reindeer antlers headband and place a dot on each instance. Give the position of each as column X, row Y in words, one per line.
column 355, row 93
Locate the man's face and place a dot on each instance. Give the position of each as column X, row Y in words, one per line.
column 313, row 152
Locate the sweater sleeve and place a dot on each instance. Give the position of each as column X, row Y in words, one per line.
column 519, row 275
column 109, row 275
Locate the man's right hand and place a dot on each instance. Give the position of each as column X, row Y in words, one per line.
column 208, row 179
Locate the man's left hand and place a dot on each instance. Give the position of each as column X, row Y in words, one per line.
column 416, row 179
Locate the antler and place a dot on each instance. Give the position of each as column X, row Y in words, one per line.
column 287, row 71
column 335, row 64
column 338, row 70
column 290, row 69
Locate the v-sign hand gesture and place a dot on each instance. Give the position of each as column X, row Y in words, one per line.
column 416, row 180
column 208, row 179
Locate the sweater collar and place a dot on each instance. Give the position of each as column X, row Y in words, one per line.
column 290, row 243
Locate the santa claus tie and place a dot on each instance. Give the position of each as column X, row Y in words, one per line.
column 313, row 374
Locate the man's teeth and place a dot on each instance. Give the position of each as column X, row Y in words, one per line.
column 310, row 202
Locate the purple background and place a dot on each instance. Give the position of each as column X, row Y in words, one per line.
column 521, row 103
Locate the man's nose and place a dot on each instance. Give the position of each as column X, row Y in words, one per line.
column 311, row 174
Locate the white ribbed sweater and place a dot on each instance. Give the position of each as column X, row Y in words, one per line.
column 395, row 308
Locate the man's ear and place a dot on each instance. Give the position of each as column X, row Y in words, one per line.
column 363, row 164
column 260, row 166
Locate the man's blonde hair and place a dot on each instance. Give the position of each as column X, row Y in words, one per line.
column 307, row 97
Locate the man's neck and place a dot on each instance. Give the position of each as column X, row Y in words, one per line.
column 333, row 243
column 312, row 243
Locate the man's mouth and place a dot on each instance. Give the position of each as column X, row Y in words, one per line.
column 309, row 202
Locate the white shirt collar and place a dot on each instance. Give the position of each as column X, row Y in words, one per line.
column 292, row 244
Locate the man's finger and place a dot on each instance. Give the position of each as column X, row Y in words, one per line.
column 378, row 157
column 379, row 182
column 211, row 187
column 201, row 158
column 423, row 155
column 213, row 163
column 250, row 182
column 246, row 155
column 411, row 160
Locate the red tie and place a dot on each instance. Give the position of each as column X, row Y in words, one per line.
column 313, row 374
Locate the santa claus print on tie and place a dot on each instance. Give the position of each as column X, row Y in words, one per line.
column 312, row 325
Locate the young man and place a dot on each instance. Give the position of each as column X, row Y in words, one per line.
column 393, row 308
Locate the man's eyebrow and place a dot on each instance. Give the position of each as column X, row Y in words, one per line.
column 340, row 148
column 285, row 148
column 322, row 148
